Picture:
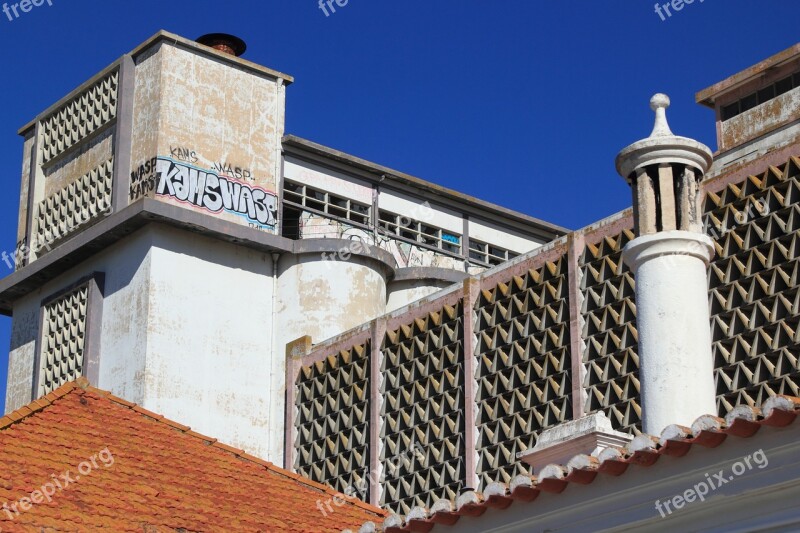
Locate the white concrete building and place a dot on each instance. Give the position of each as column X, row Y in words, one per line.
column 172, row 240
column 401, row 343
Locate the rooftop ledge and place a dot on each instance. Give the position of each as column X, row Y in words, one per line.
column 376, row 173
column 174, row 40
column 120, row 224
column 708, row 96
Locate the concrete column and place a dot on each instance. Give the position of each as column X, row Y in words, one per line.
column 676, row 367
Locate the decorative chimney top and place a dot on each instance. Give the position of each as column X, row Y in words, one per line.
column 662, row 146
column 224, row 42
column 665, row 171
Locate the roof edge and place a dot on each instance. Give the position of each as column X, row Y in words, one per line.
column 297, row 145
column 708, row 96
column 159, row 36
column 175, row 39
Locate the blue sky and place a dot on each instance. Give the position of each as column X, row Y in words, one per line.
column 524, row 103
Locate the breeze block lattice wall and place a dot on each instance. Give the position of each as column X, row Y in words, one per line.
column 332, row 419
column 69, row 208
column 472, row 375
column 63, row 339
column 423, row 410
column 609, row 332
column 753, row 286
column 80, row 117
column 524, row 365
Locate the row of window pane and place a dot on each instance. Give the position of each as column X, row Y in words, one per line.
column 393, row 224
column 421, row 232
column 757, row 98
column 326, row 202
column 489, row 253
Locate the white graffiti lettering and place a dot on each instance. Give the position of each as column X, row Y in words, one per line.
column 215, row 193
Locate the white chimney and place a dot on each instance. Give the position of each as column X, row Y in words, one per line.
column 669, row 258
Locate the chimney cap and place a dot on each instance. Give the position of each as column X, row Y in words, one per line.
column 224, row 42
column 663, row 146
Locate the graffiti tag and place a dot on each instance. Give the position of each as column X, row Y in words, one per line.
column 215, row 193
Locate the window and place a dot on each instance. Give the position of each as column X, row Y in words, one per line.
column 762, row 96
column 489, row 253
column 325, row 202
column 421, row 232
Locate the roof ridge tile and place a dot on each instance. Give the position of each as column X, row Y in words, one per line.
column 707, row 430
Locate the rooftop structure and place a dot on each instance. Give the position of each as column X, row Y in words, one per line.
column 172, row 240
column 435, row 355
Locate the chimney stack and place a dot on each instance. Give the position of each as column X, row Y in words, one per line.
column 669, row 257
column 224, row 42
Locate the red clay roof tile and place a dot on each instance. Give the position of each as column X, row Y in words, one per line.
column 104, row 463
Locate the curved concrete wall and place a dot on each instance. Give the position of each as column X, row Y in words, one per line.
column 323, row 298
column 413, row 283
column 404, row 292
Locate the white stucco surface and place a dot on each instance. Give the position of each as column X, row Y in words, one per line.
column 123, row 335
column 675, row 362
column 324, row 298
column 209, row 360
column 486, row 231
column 329, row 180
column 402, row 293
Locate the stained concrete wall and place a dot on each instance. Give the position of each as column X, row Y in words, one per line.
column 403, row 293
column 327, row 180
column 197, row 112
column 22, row 221
column 186, row 332
column 123, row 335
column 209, row 341
column 492, row 233
column 324, row 298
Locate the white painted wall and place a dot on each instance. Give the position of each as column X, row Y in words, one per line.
column 324, row 298
column 186, row 333
column 123, row 335
column 486, row 231
column 327, row 180
column 209, row 346
column 412, row 207
column 402, row 293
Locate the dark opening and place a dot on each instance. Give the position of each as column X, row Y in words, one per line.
column 291, row 223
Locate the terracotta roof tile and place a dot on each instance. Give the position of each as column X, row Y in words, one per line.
column 160, row 475
column 708, row 431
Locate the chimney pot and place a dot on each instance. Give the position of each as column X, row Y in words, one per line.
column 224, row 42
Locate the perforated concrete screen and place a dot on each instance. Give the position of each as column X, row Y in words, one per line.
column 333, row 416
column 62, row 342
column 518, row 328
column 522, row 328
column 423, row 410
column 753, row 286
column 79, row 118
column 74, row 205
column 609, row 333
